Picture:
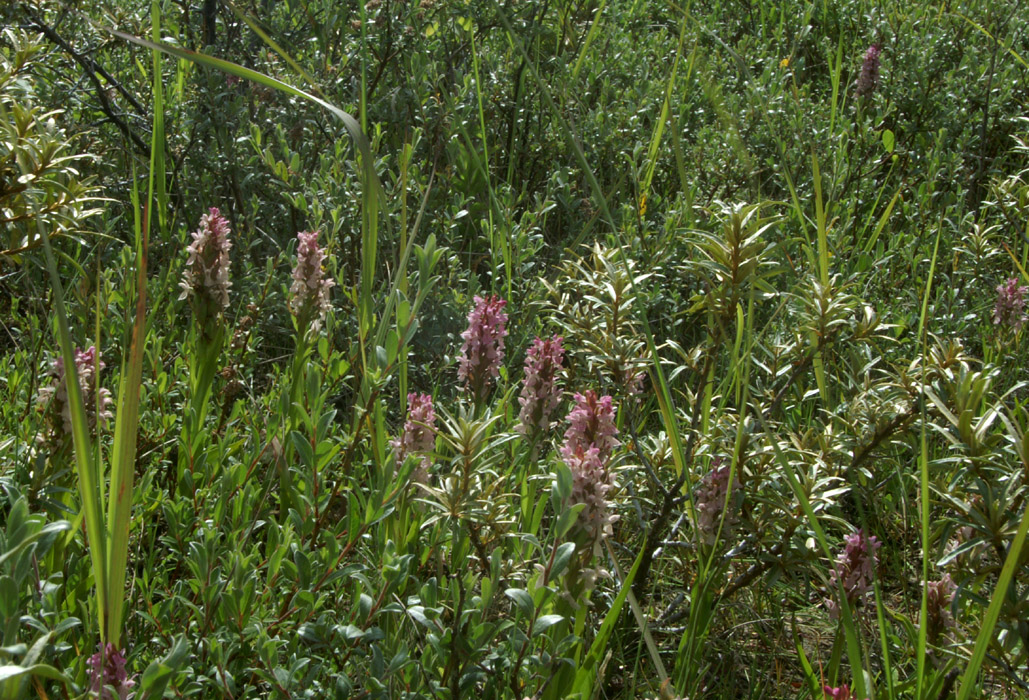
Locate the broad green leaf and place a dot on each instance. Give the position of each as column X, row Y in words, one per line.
column 522, row 599
column 545, row 621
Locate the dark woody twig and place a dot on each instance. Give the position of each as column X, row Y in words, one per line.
column 92, row 69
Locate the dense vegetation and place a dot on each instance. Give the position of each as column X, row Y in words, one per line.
column 606, row 349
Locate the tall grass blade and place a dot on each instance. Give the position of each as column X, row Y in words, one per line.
column 372, row 191
column 923, row 478
column 870, row 244
column 88, row 476
column 985, row 637
column 590, row 36
column 666, row 107
column 586, row 675
column 123, row 454
column 505, row 244
column 266, row 38
column 352, row 126
column 823, row 235
column 835, row 70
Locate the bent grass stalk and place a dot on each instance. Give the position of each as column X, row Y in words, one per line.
column 372, row 190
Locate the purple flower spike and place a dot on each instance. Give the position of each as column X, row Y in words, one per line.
column 1010, row 307
column 710, row 500
column 206, row 279
column 483, row 349
column 87, row 365
column 868, row 78
column 540, row 393
column 107, row 670
column 941, row 596
column 309, row 293
column 592, row 424
column 840, row 693
column 589, row 440
column 591, row 480
column 419, row 436
column 855, row 568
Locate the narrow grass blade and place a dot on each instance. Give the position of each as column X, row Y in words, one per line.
column 594, row 30
column 982, row 641
column 666, row 107
column 835, row 70
column 586, row 676
column 870, row 244
column 823, row 235
column 1010, row 49
column 566, row 127
column 88, row 477
column 923, row 471
column 266, row 38
column 641, row 622
column 349, row 122
column 123, row 455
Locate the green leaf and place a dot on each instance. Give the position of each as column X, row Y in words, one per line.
column 587, row 673
column 10, row 671
column 303, row 446
column 87, row 470
column 522, row 599
column 562, row 483
column 59, row 526
column 126, row 427
column 888, row 140
column 159, row 673
column 568, row 518
column 544, row 622
column 561, row 558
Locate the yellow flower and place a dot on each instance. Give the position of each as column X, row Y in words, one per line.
column 643, row 205
column 785, row 63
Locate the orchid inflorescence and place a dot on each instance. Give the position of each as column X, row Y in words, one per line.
column 483, row 350
column 309, row 293
column 206, row 279
column 97, row 401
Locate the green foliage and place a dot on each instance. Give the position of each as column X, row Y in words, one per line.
column 40, row 173
column 784, row 372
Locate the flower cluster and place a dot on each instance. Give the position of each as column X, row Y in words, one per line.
column 419, row 436
column 941, row 596
column 591, row 424
column 309, row 293
column 206, row 279
column 1010, row 307
column 591, row 480
column 841, row 693
column 540, row 393
column 855, row 569
column 483, row 349
column 634, row 382
column 97, row 402
column 589, row 440
column 710, row 498
column 868, row 78
column 107, row 670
